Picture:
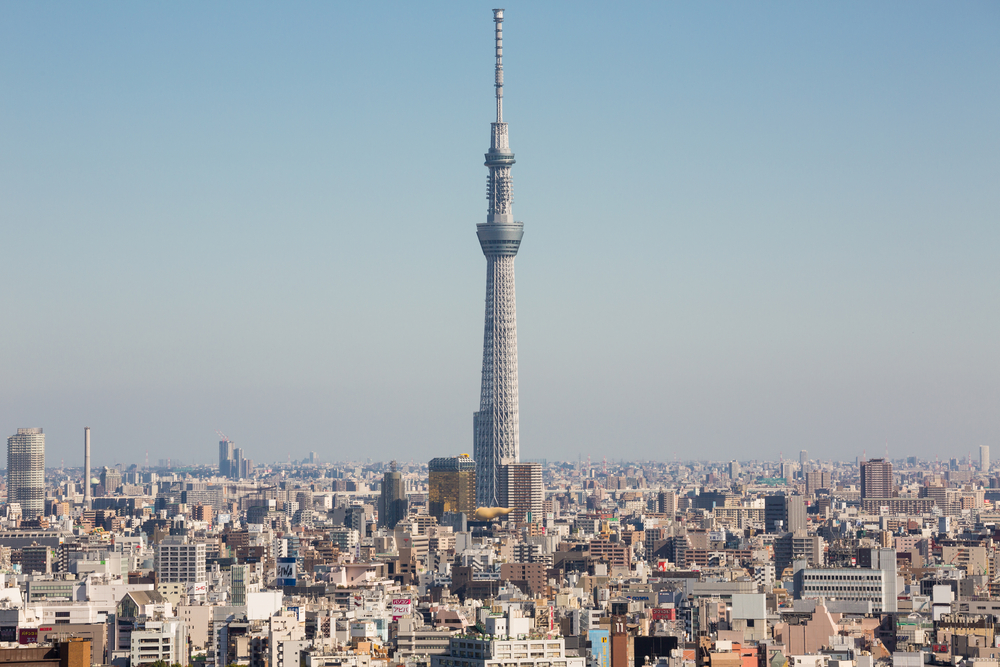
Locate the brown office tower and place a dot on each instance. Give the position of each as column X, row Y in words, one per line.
column 619, row 642
column 521, row 489
column 876, row 479
column 451, row 485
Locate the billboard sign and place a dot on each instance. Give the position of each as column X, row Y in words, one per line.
column 401, row 607
column 286, row 572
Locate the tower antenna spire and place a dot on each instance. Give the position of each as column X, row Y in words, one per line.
column 495, row 426
column 498, row 20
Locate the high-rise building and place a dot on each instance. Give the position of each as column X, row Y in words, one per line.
column 238, row 467
column 876, row 479
column 521, row 488
column 666, row 502
column 226, row 458
column 26, row 471
column 392, row 506
column 111, row 479
column 451, row 485
column 803, row 462
column 784, row 514
column 817, row 479
column 798, row 545
column 86, row 468
column 734, row 469
column 496, row 424
column 984, row 458
column 178, row 560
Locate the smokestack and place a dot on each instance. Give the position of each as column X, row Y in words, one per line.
column 86, row 467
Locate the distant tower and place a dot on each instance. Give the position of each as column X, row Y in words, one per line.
column 392, row 505
column 984, row 458
column 496, row 424
column 26, row 471
column 227, row 458
column 876, row 479
column 86, row 468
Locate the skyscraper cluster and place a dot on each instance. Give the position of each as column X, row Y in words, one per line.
column 232, row 461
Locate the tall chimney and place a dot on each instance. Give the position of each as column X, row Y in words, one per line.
column 86, row 468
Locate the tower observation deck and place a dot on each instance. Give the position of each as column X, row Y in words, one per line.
column 495, row 426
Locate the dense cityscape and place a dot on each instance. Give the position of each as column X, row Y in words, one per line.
column 585, row 563
column 488, row 558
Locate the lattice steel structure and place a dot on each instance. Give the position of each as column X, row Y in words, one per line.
column 496, row 424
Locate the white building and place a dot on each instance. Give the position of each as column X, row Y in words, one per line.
column 286, row 640
column 495, row 651
column 180, row 561
column 345, row 538
column 160, row 640
column 876, row 585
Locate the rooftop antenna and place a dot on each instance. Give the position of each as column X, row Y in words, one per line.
column 498, row 20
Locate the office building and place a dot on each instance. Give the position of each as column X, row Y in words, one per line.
column 666, row 502
column 164, row 642
column 392, row 505
column 111, row 480
column 984, row 458
column 451, row 485
column 26, row 471
column 226, row 458
column 496, row 424
column 241, row 467
column 521, row 489
column 816, row 480
column 876, row 479
column 803, row 461
column 798, row 546
column 177, row 560
column 876, row 585
column 505, row 637
column 87, row 500
column 784, row 514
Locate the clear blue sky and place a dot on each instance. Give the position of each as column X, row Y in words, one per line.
column 750, row 228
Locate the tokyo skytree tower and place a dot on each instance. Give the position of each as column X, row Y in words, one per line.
column 495, row 425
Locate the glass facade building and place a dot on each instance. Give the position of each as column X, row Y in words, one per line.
column 451, row 485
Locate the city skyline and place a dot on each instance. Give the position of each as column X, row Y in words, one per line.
column 783, row 236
